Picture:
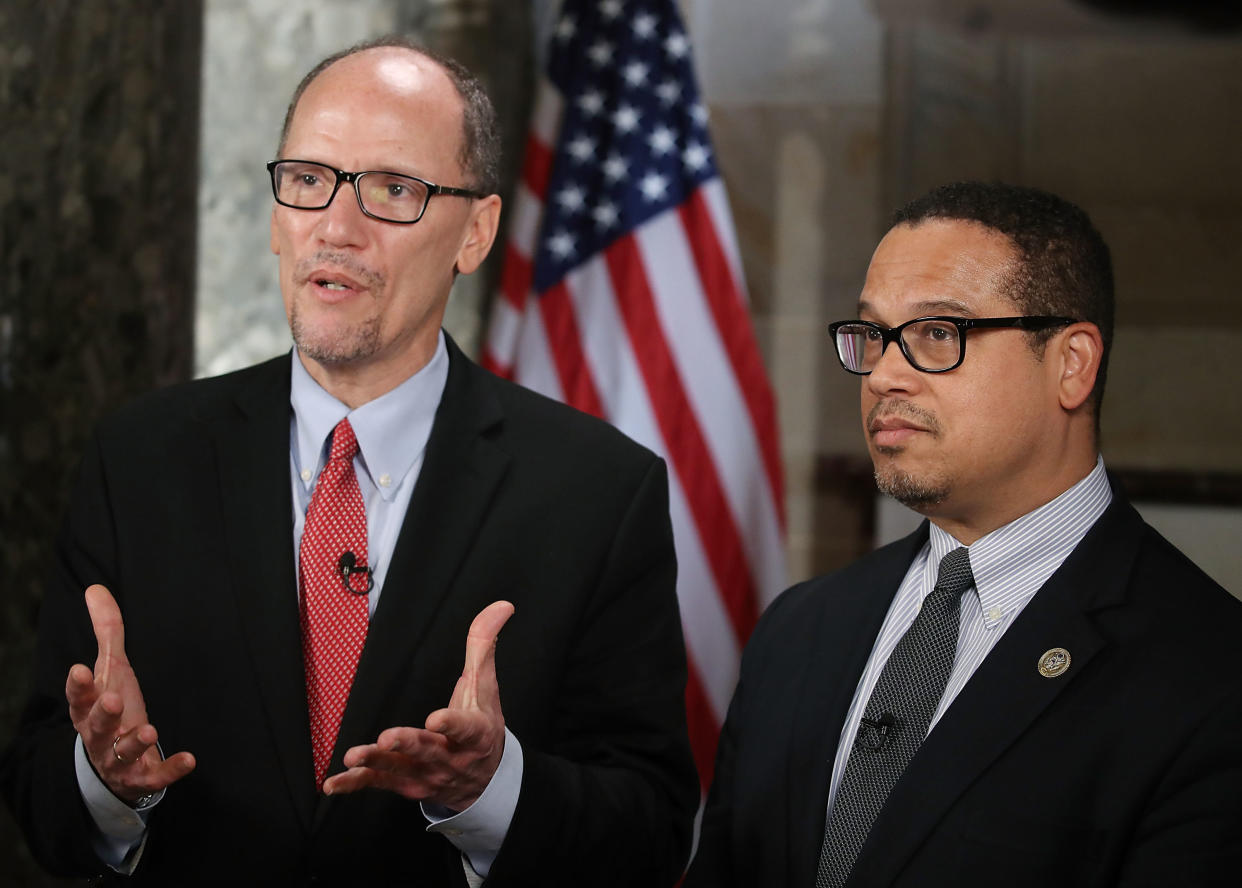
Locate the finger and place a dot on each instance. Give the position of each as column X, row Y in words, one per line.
column 81, row 692
column 411, row 742
column 150, row 776
column 393, row 762
column 363, row 778
column 103, row 722
column 463, row 727
column 109, row 629
column 478, row 677
column 355, row 779
column 129, row 746
column 171, row 770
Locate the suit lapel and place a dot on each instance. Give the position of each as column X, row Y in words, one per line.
column 853, row 612
column 461, row 470
column 252, row 447
column 1006, row 693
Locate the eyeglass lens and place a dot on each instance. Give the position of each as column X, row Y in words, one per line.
column 389, row 196
column 930, row 345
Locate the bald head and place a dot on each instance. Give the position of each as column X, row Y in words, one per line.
column 400, row 65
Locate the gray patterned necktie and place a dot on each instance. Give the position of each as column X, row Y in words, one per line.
column 896, row 718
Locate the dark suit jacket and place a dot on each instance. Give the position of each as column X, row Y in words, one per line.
column 183, row 508
column 1126, row 769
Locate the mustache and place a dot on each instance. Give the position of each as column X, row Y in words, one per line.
column 903, row 410
column 346, row 262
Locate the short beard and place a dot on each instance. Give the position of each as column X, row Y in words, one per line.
column 913, row 493
column 355, row 343
column 358, row 342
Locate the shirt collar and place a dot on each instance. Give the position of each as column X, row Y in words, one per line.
column 392, row 430
column 1011, row 563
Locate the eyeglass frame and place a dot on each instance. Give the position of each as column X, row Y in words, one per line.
column 352, row 178
column 888, row 335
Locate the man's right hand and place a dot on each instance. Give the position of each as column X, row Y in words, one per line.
column 110, row 715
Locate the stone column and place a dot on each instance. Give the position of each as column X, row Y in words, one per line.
column 99, row 106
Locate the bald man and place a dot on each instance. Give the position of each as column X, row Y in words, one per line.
column 250, row 663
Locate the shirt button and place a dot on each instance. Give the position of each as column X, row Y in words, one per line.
column 306, row 475
column 994, row 613
column 385, row 480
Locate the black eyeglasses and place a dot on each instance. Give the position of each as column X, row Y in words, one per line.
column 392, row 197
column 932, row 344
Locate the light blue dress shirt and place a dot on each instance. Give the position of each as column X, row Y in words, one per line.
column 392, row 432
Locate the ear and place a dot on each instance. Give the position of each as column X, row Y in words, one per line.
column 1079, row 350
column 480, row 233
column 275, row 241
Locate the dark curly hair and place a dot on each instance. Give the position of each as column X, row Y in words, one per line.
column 1063, row 266
column 480, row 143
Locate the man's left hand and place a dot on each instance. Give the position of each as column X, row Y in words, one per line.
column 451, row 760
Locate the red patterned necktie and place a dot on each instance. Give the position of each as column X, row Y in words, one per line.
column 334, row 619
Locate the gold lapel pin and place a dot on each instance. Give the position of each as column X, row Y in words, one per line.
column 1053, row 662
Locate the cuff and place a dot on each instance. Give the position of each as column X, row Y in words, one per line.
column 480, row 830
column 121, row 828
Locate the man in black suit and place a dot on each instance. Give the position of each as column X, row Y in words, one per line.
column 479, row 497
column 1085, row 722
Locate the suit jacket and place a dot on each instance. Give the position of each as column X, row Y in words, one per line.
column 183, row 509
column 1125, row 769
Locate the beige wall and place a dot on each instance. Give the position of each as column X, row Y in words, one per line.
column 826, row 117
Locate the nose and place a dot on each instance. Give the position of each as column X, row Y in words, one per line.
column 893, row 373
column 342, row 222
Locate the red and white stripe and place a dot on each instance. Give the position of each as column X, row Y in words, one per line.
column 653, row 334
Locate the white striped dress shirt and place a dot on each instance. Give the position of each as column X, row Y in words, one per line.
column 1009, row 564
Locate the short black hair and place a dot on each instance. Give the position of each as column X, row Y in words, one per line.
column 1064, row 267
column 480, row 143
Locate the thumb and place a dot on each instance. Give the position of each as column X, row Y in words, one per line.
column 478, row 677
column 109, row 630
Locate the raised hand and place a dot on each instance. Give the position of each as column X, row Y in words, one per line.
column 451, row 760
column 110, row 715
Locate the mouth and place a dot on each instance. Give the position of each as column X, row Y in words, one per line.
column 891, row 438
column 331, row 286
column 331, row 279
column 335, row 277
column 895, row 424
column 899, row 425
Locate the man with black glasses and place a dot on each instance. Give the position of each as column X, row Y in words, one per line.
column 282, row 568
column 1033, row 688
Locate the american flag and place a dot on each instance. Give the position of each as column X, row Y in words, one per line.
column 622, row 295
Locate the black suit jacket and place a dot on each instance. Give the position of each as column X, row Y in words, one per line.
column 1126, row 769
column 183, row 509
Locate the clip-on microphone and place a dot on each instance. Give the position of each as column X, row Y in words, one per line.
column 347, row 566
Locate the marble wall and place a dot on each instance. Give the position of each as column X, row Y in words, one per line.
column 255, row 53
column 99, row 107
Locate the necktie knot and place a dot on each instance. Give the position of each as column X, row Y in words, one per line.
column 344, row 442
column 955, row 576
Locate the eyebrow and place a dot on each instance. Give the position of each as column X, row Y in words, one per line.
column 334, row 167
column 928, row 307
